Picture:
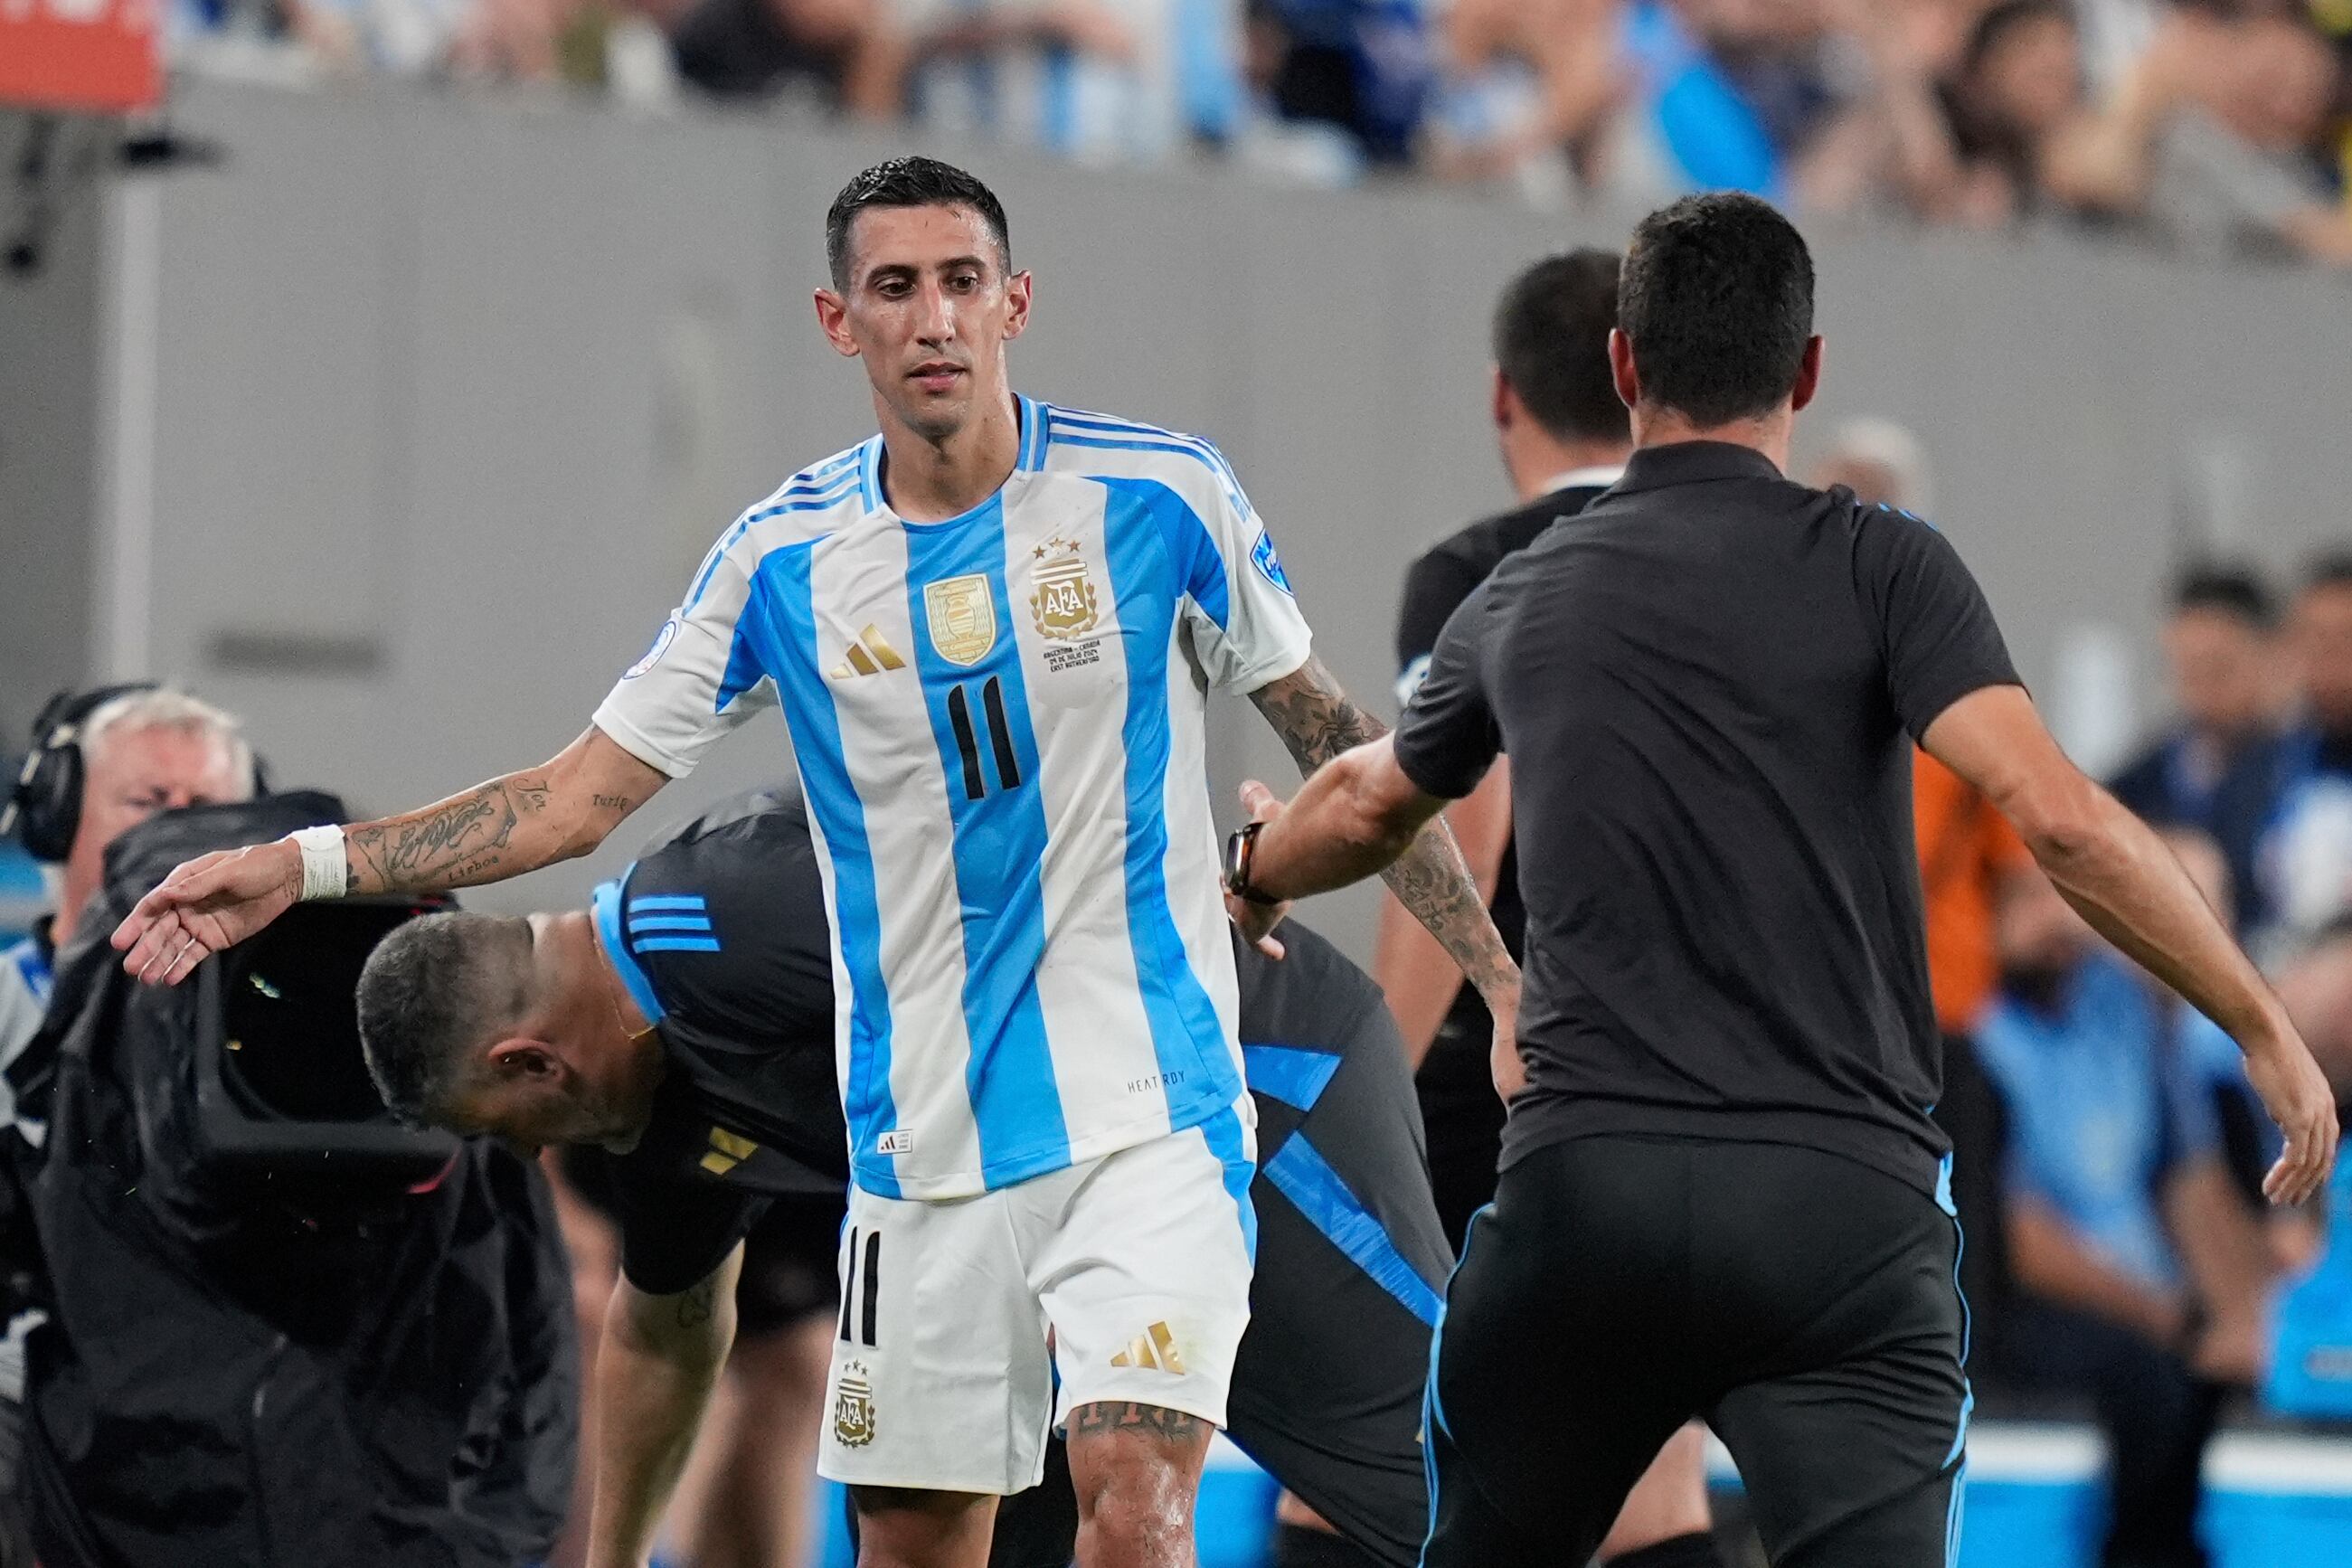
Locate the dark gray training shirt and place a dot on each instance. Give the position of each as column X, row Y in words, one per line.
column 1707, row 684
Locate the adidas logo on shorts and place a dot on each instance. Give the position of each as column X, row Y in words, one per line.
column 1154, row 1348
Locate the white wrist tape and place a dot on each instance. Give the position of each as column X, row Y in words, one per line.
column 323, row 864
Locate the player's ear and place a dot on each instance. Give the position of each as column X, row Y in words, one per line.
column 521, row 1057
column 1809, row 375
column 1503, row 403
column 832, row 315
column 1621, row 372
column 1016, row 293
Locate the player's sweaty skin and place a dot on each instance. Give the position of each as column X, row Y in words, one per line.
column 1137, row 1468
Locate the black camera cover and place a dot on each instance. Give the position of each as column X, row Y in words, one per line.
column 282, row 1328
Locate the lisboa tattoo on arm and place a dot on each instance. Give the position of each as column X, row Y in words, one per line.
column 1317, row 722
column 465, row 838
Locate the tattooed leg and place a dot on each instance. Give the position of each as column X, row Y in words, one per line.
column 1137, row 1470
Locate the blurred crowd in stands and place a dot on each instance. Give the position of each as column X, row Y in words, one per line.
column 2221, row 127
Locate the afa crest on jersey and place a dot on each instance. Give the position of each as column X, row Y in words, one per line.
column 1065, row 604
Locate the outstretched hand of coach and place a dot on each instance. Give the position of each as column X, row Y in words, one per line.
column 2298, row 1095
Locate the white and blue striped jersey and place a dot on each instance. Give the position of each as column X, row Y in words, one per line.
column 998, row 724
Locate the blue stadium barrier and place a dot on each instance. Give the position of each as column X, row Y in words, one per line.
column 2033, row 1502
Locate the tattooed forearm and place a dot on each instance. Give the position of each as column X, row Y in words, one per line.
column 1127, row 1415
column 1313, row 716
column 1431, row 880
column 1317, row 722
column 518, row 823
column 467, row 838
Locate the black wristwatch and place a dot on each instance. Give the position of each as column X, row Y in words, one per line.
column 1240, row 850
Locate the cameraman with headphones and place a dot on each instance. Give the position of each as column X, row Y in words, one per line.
column 102, row 762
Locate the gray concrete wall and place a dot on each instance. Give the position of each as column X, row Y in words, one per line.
column 452, row 393
column 49, row 363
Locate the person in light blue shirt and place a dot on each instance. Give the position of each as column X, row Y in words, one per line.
column 2127, row 1244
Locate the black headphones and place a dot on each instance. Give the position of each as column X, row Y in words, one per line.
column 44, row 808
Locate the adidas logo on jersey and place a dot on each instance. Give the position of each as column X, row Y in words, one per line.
column 1155, row 1348
column 869, row 654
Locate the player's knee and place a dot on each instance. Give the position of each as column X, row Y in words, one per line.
column 1136, row 1469
column 903, row 1528
column 1142, row 1515
column 1667, row 1504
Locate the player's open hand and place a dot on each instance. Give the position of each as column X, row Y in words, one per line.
column 1258, row 921
column 206, row 906
column 2297, row 1094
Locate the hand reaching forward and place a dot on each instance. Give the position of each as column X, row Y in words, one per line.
column 1258, row 921
column 2297, row 1096
column 206, row 906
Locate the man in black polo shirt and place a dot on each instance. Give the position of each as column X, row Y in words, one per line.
column 1562, row 436
column 685, row 1020
column 1721, row 1191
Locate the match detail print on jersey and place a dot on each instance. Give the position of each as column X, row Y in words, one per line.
column 1025, row 684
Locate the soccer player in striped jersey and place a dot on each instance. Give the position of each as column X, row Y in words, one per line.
column 991, row 630
column 693, row 1000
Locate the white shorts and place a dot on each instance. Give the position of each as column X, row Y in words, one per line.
column 1136, row 1264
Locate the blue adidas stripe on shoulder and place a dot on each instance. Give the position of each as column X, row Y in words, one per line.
column 836, row 490
column 820, row 488
column 1104, row 424
column 1118, row 436
column 668, row 922
column 678, row 944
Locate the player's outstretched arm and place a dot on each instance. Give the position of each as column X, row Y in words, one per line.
column 660, row 1357
column 2113, row 869
column 495, row 830
column 1319, row 723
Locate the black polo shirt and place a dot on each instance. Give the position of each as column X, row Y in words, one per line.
column 1434, row 587
column 1708, row 689
column 1456, row 1080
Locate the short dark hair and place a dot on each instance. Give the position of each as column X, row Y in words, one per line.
column 2328, row 569
column 432, row 993
column 910, row 183
column 1716, row 295
column 1996, row 24
column 1551, row 343
column 2226, row 589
